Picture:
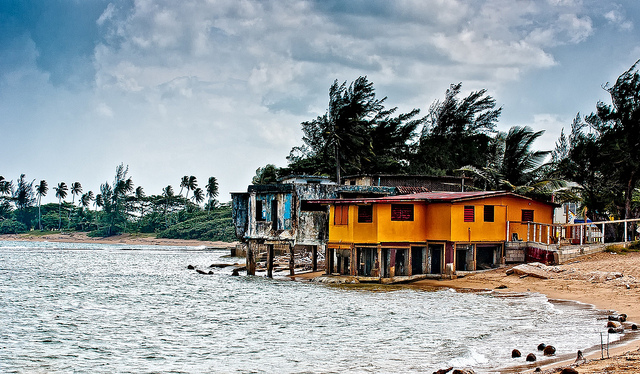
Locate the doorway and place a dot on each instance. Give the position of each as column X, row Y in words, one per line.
column 417, row 260
column 435, row 258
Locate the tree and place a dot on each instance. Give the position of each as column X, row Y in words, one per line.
column 41, row 190
column 23, row 198
column 198, row 195
column 266, row 175
column 457, row 132
column 76, row 189
column 212, row 191
column 619, row 128
column 514, row 166
column 61, row 194
column 356, row 134
column 5, row 190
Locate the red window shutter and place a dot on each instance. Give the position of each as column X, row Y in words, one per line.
column 527, row 215
column 469, row 213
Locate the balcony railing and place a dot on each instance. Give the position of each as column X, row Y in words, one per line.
column 568, row 233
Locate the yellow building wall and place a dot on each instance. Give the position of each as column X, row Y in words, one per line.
column 402, row 231
column 438, row 222
column 442, row 222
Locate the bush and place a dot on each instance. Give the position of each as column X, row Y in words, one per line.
column 12, row 227
column 621, row 250
column 216, row 226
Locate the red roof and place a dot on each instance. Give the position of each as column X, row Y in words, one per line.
column 424, row 196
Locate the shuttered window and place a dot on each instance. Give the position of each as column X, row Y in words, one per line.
column 488, row 213
column 527, row 215
column 365, row 213
column 341, row 215
column 401, row 212
column 469, row 213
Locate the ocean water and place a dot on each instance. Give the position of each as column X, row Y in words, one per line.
column 79, row 308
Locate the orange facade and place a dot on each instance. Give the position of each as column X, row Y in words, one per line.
column 469, row 229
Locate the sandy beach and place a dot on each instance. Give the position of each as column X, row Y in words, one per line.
column 608, row 281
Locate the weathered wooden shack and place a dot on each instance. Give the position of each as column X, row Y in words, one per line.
column 276, row 219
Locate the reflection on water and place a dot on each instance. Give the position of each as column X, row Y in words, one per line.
column 101, row 308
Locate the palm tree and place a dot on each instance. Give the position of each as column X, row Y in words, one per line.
column 513, row 166
column 61, row 193
column 41, row 190
column 198, row 195
column 86, row 199
column 168, row 195
column 5, row 186
column 184, row 183
column 212, row 191
column 76, row 189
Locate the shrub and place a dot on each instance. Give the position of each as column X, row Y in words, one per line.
column 12, row 227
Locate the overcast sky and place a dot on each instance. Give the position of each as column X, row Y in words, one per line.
column 220, row 87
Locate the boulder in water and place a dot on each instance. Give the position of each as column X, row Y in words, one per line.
column 549, row 350
column 541, row 346
column 531, row 357
column 191, row 267
column 463, row 371
column 515, row 353
column 443, row 371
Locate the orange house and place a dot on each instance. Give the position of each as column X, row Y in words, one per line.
column 427, row 233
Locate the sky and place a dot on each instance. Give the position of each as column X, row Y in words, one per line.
column 220, row 87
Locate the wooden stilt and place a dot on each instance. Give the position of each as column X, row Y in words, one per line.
column 291, row 259
column 314, row 258
column 270, row 260
column 251, row 260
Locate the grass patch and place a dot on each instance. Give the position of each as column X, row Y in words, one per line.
column 618, row 249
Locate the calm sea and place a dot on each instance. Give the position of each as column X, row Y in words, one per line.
column 80, row 308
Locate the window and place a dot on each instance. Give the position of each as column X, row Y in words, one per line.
column 259, row 213
column 401, row 212
column 469, row 213
column 488, row 213
column 341, row 215
column 365, row 213
column 527, row 215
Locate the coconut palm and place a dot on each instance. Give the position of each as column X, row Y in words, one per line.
column 198, row 195
column 86, row 199
column 76, row 189
column 212, row 191
column 184, row 183
column 41, row 190
column 513, row 166
column 61, row 194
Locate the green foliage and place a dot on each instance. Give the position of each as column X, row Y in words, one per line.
column 622, row 250
column 266, row 175
column 457, row 133
column 12, row 227
column 356, row 134
column 215, row 226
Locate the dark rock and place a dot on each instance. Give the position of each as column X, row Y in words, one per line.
column 619, row 317
column 463, row 371
column 531, row 357
column 549, row 350
column 235, row 273
column 515, row 353
column 219, row 265
column 501, row 287
column 634, row 327
column 443, row 371
column 541, row 346
column 613, row 324
column 569, row 371
column 191, row 267
column 204, row 272
column 623, row 317
column 537, row 370
column 618, row 330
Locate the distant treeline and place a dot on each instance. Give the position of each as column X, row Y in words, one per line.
column 119, row 207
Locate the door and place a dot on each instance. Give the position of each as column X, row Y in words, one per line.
column 435, row 258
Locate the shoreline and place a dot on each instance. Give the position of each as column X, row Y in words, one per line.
column 608, row 282
column 135, row 239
